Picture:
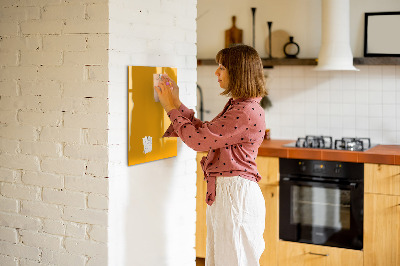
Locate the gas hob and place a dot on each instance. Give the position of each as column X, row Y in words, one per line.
column 327, row 142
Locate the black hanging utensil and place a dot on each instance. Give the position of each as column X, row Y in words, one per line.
column 269, row 37
column 253, row 10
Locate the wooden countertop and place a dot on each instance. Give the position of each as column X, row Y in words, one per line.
column 380, row 154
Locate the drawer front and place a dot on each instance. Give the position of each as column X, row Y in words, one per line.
column 299, row 254
column 268, row 167
column 382, row 179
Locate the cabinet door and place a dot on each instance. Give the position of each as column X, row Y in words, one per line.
column 382, row 179
column 201, row 205
column 299, row 254
column 271, row 232
column 268, row 168
column 381, row 230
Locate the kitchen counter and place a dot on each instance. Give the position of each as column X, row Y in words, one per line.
column 380, row 154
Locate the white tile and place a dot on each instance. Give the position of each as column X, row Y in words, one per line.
column 324, row 131
column 336, row 121
column 310, row 95
column 397, row 72
column 375, row 83
column 362, row 97
column 349, row 122
column 398, row 137
column 389, row 84
column 348, row 109
column 286, row 120
column 349, row 132
column 389, row 71
column 298, row 120
column 362, row 123
column 323, row 83
column 298, row 83
column 375, row 123
column 389, row 124
column 389, row 110
column 376, row 136
column 336, row 83
column 362, row 133
column 298, row 71
column 336, row 133
column 309, row 72
column 362, row 79
column 375, row 97
column 389, row 137
column 323, row 121
column 287, row 133
column 323, row 95
column 362, row 110
column 298, row 97
column 375, row 110
column 310, row 122
column 349, row 96
column 336, row 96
column 285, row 71
column 335, row 109
column 285, row 83
column 323, row 109
column 389, row 97
column 310, row 82
column 298, row 131
column 299, row 108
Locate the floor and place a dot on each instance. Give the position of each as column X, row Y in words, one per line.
column 200, row 262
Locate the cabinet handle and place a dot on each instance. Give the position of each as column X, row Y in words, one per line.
column 319, row 254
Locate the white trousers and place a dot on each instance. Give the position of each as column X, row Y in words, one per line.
column 235, row 223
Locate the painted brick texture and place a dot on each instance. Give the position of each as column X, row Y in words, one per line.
column 53, row 135
column 151, row 205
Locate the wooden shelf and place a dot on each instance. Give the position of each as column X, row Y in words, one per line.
column 269, row 63
column 377, row 61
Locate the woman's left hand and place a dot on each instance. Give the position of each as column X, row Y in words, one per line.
column 165, row 95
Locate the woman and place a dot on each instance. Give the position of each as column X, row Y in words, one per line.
column 236, row 212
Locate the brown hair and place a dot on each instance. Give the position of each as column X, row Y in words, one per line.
column 245, row 69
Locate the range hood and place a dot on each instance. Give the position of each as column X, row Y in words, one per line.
column 335, row 52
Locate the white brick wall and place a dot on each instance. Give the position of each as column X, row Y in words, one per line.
column 53, row 136
column 152, row 205
column 60, row 139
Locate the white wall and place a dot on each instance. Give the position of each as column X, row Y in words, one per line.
column 152, row 205
column 337, row 103
column 301, row 19
column 53, row 135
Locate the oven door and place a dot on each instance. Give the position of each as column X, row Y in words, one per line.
column 321, row 212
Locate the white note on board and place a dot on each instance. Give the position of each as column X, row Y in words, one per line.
column 147, row 144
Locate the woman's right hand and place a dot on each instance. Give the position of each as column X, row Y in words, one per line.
column 175, row 91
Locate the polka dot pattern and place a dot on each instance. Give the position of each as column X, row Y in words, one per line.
column 232, row 139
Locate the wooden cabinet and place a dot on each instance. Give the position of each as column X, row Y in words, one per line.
column 271, row 232
column 299, row 254
column 382, row 179
column 268, row 168
column 382, row 215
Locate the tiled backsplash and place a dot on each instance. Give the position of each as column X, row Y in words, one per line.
column 365, row 103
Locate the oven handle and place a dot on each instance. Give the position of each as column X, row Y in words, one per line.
column 310, row 182
column 318, row 254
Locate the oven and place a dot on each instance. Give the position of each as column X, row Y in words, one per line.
column 321, row 202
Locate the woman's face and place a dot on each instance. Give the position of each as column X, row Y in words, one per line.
column 223, row 77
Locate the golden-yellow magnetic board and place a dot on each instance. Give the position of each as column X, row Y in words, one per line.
column 147, row 119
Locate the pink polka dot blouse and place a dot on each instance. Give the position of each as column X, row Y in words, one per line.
column 232, row 139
